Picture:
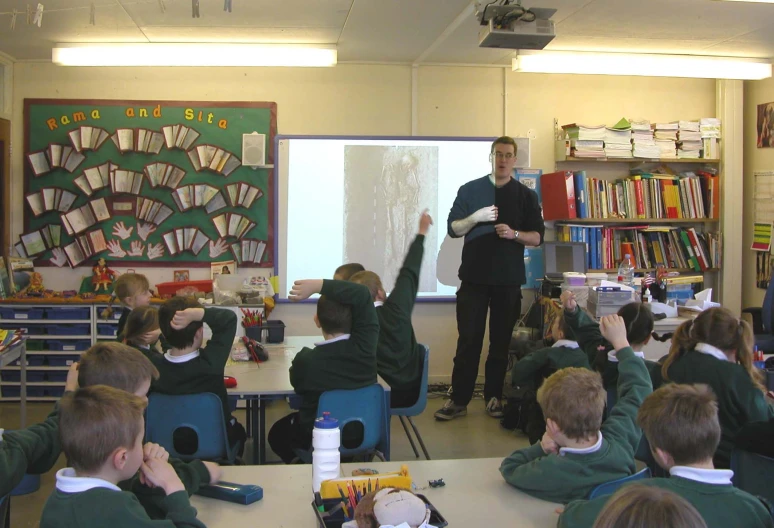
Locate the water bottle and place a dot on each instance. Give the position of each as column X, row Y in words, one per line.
column 326, row 461
column 626, row 271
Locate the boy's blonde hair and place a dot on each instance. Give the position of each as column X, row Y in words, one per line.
column 116, row 365
column 141, row 321
column 345, row 271
column 370, row 280
column 95, row 421
column 126, row 285
column 641, row 506
column 683, row 421
column 575, row 399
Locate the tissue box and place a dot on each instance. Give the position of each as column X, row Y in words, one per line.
column 601, row 310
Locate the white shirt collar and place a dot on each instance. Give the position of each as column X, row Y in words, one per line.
column 342, row 337
column 566, row 343
column 708, row 476
column 182, row 359
column 706, row 348
column 614, row 359
column 68, row 482
column 585, row 451
column 377, row 304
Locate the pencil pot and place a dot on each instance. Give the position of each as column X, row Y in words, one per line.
column 254, row 332
column 275, row 331
column 333, row 515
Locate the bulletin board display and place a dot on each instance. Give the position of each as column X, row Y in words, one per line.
column 147, row 183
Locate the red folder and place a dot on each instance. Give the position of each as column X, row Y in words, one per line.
column 558, row 193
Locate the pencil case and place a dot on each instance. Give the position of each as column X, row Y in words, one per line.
column 231, row 492
column 329, row 489
column 336, row 519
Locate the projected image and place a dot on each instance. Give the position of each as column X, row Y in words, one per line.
column 386, row 188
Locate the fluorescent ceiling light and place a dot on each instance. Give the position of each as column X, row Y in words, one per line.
column 654, row 65
column 750, row 1
column 199, row 54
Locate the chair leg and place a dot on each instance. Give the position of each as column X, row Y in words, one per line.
column 408, row 435
column 419, row 438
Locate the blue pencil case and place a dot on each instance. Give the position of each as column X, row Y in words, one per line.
column 232, row 492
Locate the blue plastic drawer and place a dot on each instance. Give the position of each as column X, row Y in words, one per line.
column 54, row 392
column 21, row 313
column 56, row 375
column 10, row 392
column 33, row 329
column 68, row 313
column 71, row 345
column 107, row 330
column 68, row 329
column 32, row 361
column 15, row 375
column 63, row 360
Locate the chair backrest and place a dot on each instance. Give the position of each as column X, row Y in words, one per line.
column 421, row 403
column 366, row 405
column 767, row 310
column 196, row 418
column 608, row 488
column 752, row 473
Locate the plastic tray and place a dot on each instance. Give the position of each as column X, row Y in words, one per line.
column 105, row 330
column 15, row 375
column 68, row 313
column 62, row 361
column 71, row 345
column 68, row 329
column 337, row 519
column 22, row 313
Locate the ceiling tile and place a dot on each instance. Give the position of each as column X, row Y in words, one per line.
column 286, row 35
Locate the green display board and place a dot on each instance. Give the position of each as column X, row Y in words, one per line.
column 246, row 231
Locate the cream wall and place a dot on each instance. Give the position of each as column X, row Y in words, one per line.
column 755, row 159
column 374, row 99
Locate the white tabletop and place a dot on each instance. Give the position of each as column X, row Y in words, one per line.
column 475, row 495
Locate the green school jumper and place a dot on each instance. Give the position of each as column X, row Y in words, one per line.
column 203, row 373
column 192, row 474
column 739, row 400
column 721, row 505
column 530, row 370
column 32, row 450
column 103, row 507
column 572, row 476
column 399, row 357
column 344, row 364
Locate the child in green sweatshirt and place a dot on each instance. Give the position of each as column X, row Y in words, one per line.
column 578, row 452
column 143, row 331
column 102, row 430
column 121, row 367
column 681, row 424
column 399, row 358
column 346, row 359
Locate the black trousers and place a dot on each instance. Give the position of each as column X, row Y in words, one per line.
column 286, row 435
column 473, row 302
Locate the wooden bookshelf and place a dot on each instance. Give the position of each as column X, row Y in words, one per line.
column 647, row 270
column 636, row 221
column 637, row 160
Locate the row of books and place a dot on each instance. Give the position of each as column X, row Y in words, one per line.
column 231, row 224
column 95, row 178
column 50, row 199
column 85, row 246
column 185, row 239
column 40, row 240
column 88, row 138
column 199, row 195
column 650, row 246
column 82, row 218
column 153, row 211
column 645, row 195
column 242, row 194
column 162, row 174
column 213, row 158
column 54, row 157
column 248, row 250
column 138, row 140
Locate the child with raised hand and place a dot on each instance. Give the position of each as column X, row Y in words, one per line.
column 716, row 349
column 133, row 291
column 142, row 330
column 578, row 451
column 102, row 430
column 639, row 323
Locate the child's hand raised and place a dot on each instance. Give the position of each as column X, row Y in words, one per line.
column 159, row 473
column 425, row 221
column 185, row 317
column 72, row 378
column 568, row 301
column 303, row 289
column 613, row 328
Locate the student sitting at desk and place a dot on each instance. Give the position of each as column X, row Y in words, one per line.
column 345, row 271
column 33, row 450
column 142, row 330
column 682, row 428
column 187, row 368
column 133, row 291
column 578, row 452
column 346, row 359
column 122, row 367
column 716, row 348
column 399, row 357
column 102, row 430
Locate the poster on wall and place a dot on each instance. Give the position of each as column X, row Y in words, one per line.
column 766, row 125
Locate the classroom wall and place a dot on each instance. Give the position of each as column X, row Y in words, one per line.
column 375, row 99
column 755, row 159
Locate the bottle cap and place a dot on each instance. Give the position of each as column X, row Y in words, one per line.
column 326, row 422
column 627, row 255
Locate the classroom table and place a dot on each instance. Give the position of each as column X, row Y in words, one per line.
column 475, row 495
column 9, row 355
column 259, row 384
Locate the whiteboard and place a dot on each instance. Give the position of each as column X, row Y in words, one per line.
column 359, row 199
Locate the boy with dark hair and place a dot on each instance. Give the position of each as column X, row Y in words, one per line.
column 682, row 427
column 399, row 358
column 187, row 368
column 578, row 452
column 102, row 430
column 346, row 359
column 345, row 271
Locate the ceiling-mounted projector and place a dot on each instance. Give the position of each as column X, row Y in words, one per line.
column 506, row 24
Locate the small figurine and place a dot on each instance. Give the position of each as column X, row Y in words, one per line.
column 102, row 275
column 35, row 288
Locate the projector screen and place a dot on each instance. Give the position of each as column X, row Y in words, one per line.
column 359, row 200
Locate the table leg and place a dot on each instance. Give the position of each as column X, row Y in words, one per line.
column 248, row 417
column 255, row 405
column 23, row 385
column 262, row 439
column 385, row 448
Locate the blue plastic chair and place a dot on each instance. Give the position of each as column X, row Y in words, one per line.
column 752, row 473
column 405, row 413
column 643, row 454
column 202, row 413
column 608, row 488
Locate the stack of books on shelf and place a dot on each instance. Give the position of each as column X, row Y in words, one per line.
column 709, row 128
column 689, row 144
column 618, row 140
column 666, row 138
column 586, row 141
column 672, row 247
column 643, row 141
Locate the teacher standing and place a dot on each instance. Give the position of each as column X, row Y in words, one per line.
column 498, row 216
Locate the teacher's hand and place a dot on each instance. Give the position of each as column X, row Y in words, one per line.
column 505, row 231
column 485, row 214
